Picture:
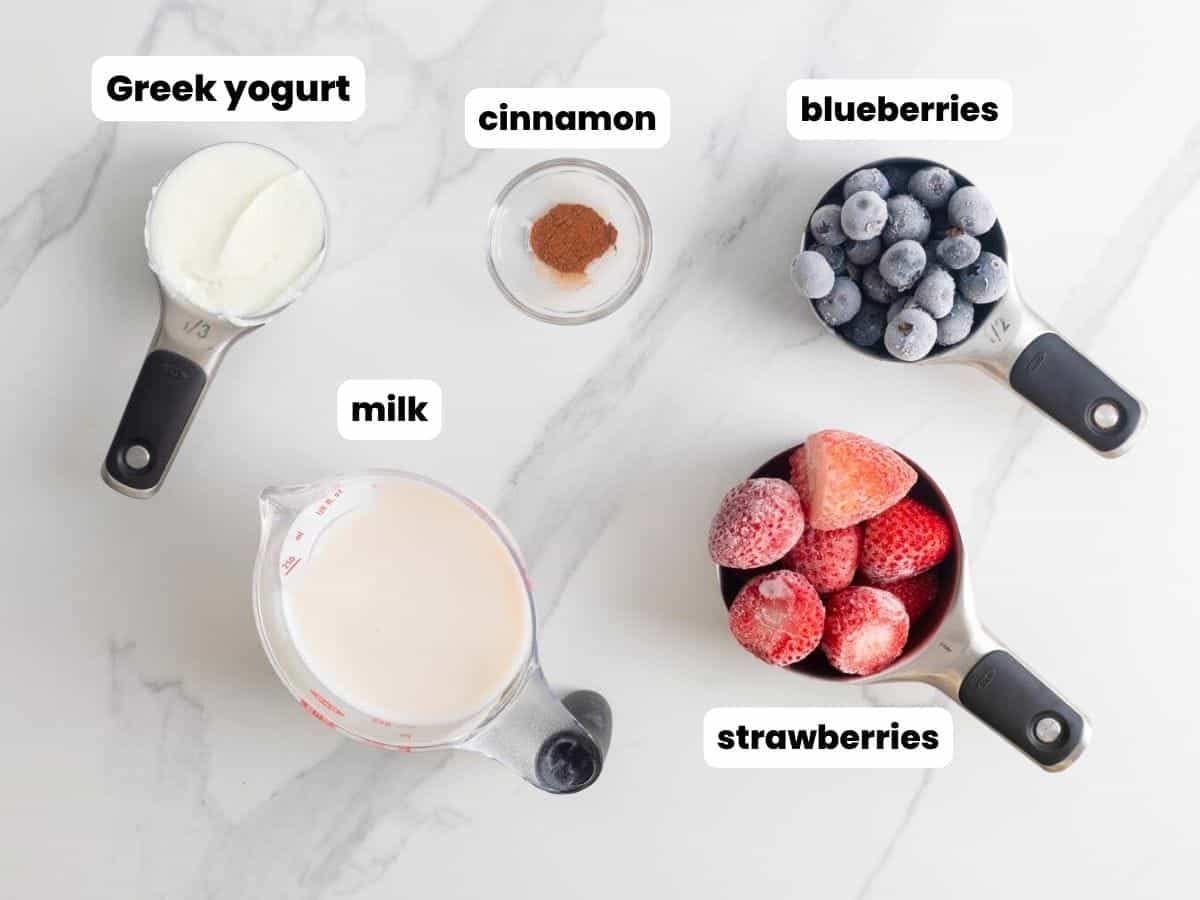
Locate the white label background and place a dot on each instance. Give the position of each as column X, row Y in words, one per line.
column 898, row 91
column 234, row 68
column 839, row 719
column 375, row 390
column 553, row 100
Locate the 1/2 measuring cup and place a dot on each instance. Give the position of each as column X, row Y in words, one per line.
column 556, row 746
column 1017, row 347
column 950, row 649
column 238, row 204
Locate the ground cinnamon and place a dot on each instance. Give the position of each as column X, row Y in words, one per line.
column 570, row 236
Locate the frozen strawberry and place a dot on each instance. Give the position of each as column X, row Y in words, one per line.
column 852, row 478
column 916, row 593
column 758, row 522
column 906, row 540
column 778, row 617
column 828, row 559
column 798, row 464
column 866, row 629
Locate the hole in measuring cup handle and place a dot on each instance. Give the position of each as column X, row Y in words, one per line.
column 568, row 761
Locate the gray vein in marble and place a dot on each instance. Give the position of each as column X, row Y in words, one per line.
column 889, row 848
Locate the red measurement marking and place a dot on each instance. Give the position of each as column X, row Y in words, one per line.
column 325, row 703
column 384, row 722
column 299, row 535
column 315, row 713
column 290, row 563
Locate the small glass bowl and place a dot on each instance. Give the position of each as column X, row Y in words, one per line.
column 536, row 289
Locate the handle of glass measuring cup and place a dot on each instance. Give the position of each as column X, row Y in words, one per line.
column 174, row 376
column 558, row 746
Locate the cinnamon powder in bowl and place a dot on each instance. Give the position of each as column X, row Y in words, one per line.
column 569, row 241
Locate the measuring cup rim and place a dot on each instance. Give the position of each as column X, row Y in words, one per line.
column 270, row 505
column 293, row 290
column 833, row 195
column 950, row 595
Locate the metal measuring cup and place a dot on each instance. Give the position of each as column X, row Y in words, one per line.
column 184, row 355
column 949, row 648
column 1017, row 347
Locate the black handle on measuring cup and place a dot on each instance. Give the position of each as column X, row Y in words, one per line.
column 161, row 404
column 1068, row 387
column 1015, row 702
column 571, row 759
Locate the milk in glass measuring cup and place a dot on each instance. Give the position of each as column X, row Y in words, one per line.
column 234, row 233
column 400, row 613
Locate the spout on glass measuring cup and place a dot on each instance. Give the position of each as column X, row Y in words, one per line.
column 234, row 234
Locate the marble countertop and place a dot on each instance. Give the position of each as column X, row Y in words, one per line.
column 149, row 750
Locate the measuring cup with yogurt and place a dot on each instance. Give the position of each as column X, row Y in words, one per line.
column 234, row 234
column 399, row 612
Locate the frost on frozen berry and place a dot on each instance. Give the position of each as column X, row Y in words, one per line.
column 876, row 288
column 935, row 291
column 826, row 225
column 866, row 328
column 902, row 264
column 798, row 475
column 863, row 253
column 985, row 280
column 910, row 335
column 757, row 523
column 933, row 186
column 866, row 180
column 905, row 540
column 955, row 327
column 916, row 593
column 863, row 215
column 851, row 478
column 971, row 211
column 828, row 559
column 841, row 304
column 958, row 250
column 778, row 617
column 835, row 255
column 907, row 220
column 812, row 275
column 866, row 629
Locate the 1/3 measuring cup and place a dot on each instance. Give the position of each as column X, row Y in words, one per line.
column 1017, row 347
column 234, row 234
column 950, row 649
column 556, row 746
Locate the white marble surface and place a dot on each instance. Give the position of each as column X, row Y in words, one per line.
column 148, row 749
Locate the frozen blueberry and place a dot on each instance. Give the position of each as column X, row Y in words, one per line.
column 958, row 250
column 863, row 253
column 841, row 304
column 866, row 180
column 985, row 280
column 910, row 335
column 834, row 255
column 876, row 288
column 907, row 220
column 866, row 328
column 897, row 177
column 933, row 186
column 902, row 264
column 811, row 274
column 863, row 215
column 904, row 302
column 971, row 211
column 935, row 291
column 826, row 225
column 956, row 325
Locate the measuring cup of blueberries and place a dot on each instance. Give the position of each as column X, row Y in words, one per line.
column 905, row 260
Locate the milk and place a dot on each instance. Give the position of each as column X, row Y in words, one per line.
column 235, row 229
column 411, row 608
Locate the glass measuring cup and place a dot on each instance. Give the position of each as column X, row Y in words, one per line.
column 184, row 355
column 556, row 746
column 950, row 649
column 1014, row 345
